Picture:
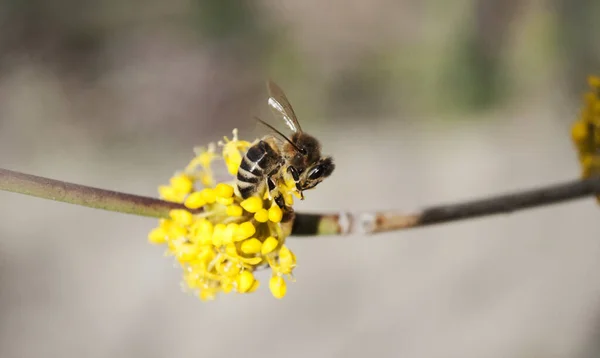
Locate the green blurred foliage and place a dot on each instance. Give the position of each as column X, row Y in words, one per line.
column 222, row 20
column 473, row 79
column 482, row 50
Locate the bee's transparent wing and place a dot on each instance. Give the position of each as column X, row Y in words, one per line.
column 281, row 106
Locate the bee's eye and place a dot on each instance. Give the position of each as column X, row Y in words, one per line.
column 316, row 172
column 303, row 151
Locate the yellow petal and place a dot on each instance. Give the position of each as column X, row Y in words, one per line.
column 579, row 131
column 227, row 286
column 269, row 245
column 195, row 200
column 245, row 280
column 181, row 217
column 262, row 216
column 251, row 246
column 234, row 210
column 157, row 236
column 287, row 260
column 277, row 286
column 254, row 287
column 230, row 230
column 224, row 201
column 207, row 294
column 244, row 231
column 252, row 261
column 252, row 204
column 218, row 234
column 202, row 227
column 176, row 231
column 208, row 195
column 275, row 213
column 231, row 250
column 186, row 252
column 169, row 193
column 224, row 190
column 182, row 183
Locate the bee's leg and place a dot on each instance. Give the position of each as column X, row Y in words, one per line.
column 292, row 170
column 270, row 184
column 288, row 212
column 279, row 201
column 270, row 187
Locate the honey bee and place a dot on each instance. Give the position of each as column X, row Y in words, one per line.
column 270, row 158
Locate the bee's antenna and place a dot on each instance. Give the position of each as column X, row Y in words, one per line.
column 278, row 132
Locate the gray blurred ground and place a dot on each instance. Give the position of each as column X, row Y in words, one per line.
column 380, row 85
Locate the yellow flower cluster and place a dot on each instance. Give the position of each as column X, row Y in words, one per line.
column 220, row 240
column 585, row 132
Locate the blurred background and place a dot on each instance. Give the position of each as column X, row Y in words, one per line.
column 420, row 103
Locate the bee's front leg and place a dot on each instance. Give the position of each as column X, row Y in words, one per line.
column 270, row 187
column 288, row 212
column 294, row 173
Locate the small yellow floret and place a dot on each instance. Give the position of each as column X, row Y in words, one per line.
column 224, row 201
column 230, row 230
column 186, row 252
column 252, row 204
column 181, row 217
column 262, row 216
column 201, row 231
column 175, row 232
column 251, row 246
column 218, row 235
column 169, row 193
column 287, row 260
column 207, row 294
column 206, row 179
column 203, row 158
column 252, row 261
column 244, row 231
column 227, row 285
column 594, row 81
column 231, row 250
column 277, row 286
column 208, row 195
column 224, row 190
column 579, row 131
column 232, row 152
column 157, row 236
column 269, row 245
column 232, row 158
column 182, row 183
column 234, row 210
column 195, row 200
column 275, row 213
column 245, row 280
column 254, row 287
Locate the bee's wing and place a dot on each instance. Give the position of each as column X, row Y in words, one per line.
column 281, row 106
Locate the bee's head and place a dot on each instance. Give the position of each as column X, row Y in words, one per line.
column 315, row 173
column 304, row 151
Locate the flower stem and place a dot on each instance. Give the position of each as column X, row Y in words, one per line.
column 84, row 195
column 308, row 224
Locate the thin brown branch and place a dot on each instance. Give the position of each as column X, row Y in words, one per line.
column 377, row 222
column 307, row 224
column 84, row 195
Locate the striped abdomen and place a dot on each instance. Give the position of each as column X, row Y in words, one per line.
column 259, row 162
